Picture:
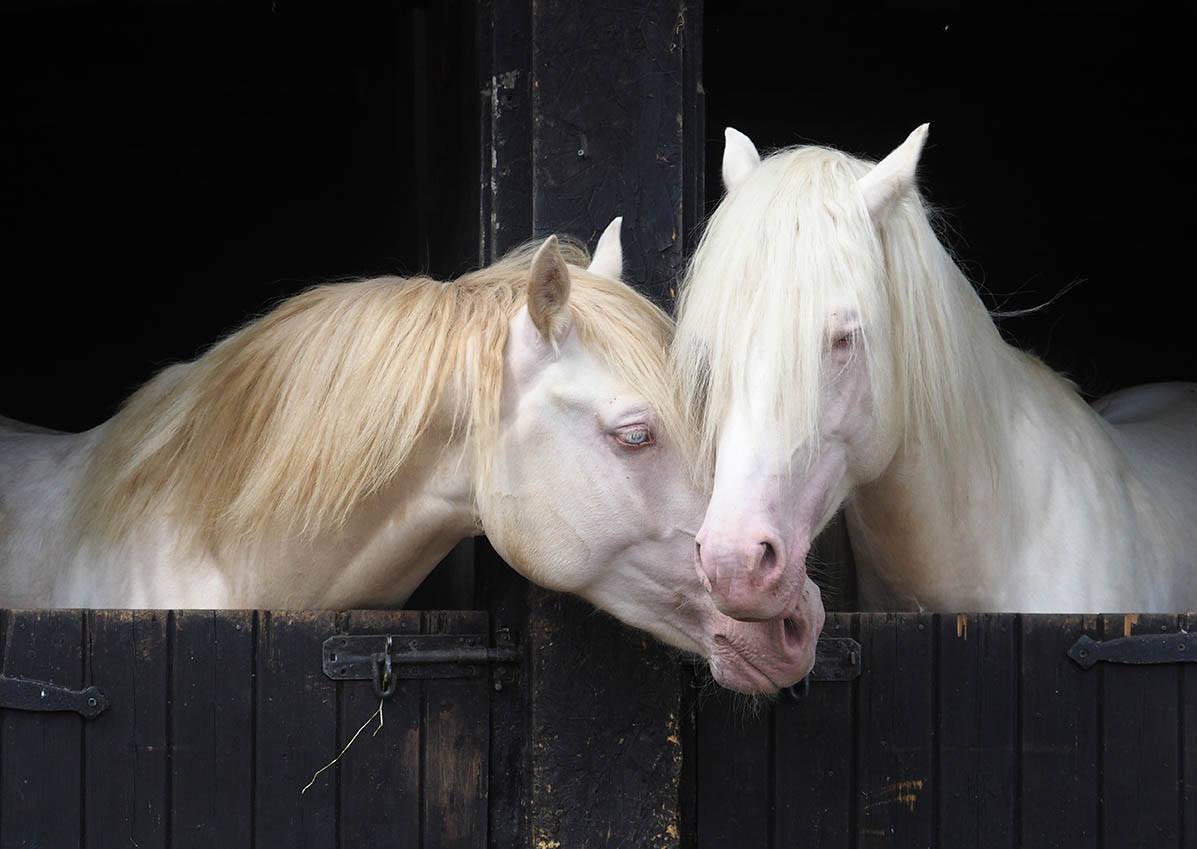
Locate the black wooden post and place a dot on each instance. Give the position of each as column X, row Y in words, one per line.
column 591, row 110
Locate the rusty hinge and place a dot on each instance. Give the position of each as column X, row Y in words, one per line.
column 27, row 694
column 384, row 659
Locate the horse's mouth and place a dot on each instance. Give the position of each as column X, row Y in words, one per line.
column 728, row 648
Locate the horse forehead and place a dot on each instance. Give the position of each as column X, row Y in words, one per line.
column 582, row 380
column 571, row 375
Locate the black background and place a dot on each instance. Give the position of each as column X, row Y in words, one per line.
column 168, row 171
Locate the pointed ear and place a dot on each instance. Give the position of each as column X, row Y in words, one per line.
column 548, row 292
column 894, row 175
column 608, row 253
column 739, row 157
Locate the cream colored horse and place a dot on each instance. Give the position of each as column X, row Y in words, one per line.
column 329, row 454
column 838, row 356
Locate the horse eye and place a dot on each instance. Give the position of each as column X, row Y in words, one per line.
column 844, row 341
column 634, row 436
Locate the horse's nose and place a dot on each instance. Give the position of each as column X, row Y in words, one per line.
column 745, row 576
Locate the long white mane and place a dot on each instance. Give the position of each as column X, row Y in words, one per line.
column 290, row 422
column 786, row 248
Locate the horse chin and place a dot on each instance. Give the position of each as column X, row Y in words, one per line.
column 764, row 657
column 735, row 672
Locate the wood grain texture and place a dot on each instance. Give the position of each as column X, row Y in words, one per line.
column 895, row 804
column 510, row 697
column 1188, row 744
column 212, row 729
column 41, row 772
column 612, row 119
column 566, row 156
column 978, row 730
column 1059, row 719
column 380, row 776
column 505, row 64
column 1140, row 790
column 456, row 723
column 126, row 747
column 735, row 756
column 295, row 733
column 814, row 751
column 606, row 751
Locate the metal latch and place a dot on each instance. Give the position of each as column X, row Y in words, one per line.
column 836, row 659
column 1140, row 649
column 27, row 694
column 384, row 659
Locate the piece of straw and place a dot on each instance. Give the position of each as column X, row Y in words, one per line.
column 333, row 762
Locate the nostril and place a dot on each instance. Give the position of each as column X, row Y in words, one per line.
column 768, row 558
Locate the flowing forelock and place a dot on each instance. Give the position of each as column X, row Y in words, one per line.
column 785, row 248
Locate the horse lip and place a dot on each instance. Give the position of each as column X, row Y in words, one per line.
column 729, row 644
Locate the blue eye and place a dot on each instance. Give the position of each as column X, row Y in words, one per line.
column 634, row 436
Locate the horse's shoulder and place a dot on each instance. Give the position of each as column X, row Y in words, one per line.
column 1148, row 402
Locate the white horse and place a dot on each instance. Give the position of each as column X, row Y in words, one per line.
column 835, row 354
column 330, row 453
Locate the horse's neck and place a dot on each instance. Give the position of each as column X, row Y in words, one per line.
column 392, row 542
column 991, row 536
column 387, row 547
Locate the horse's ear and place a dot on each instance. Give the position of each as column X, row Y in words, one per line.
column 608, row 253
column 894, row 175
column 739, row 157
column 548, row 292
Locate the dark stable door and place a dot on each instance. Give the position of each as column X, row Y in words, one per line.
column 962, row 730
column 216, row 721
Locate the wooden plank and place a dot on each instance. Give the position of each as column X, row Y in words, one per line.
column 978, row 730
column 1140, row 755
column 606, row 756
column 691, row 676
column 505, row 593
column 380, row 775
column 125, row 777
column 606, row 750
column 1188, row 764
column 814, row 758
column 212, row 729
column 598, row 156
column 41, row 773
column 1058, row 720
column 296, row 727
column 734, row 761
column 456, row 746
column 505, row 46
column 3, row 649
column 694, row 134
column 895, row 804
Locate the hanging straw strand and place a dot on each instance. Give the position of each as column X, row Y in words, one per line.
column 333, row 762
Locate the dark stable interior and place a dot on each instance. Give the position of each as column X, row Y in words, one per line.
column 169, row 172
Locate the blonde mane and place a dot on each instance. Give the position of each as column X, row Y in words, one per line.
column 789, row 245
column 290, row 422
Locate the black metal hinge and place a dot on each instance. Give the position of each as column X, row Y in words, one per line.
column 384, row 659
column 836, row 659
column 1143, row 648
column 26, row 694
